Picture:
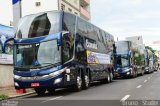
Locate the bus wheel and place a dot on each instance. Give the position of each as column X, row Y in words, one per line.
column 134, row 74
column 111, row 76
column 51, row 90
column 86, row 82
column 142, row 73
column 108, row 77
column 78, row 85
column 40, row 91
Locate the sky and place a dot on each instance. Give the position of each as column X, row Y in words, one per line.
column 123, row 18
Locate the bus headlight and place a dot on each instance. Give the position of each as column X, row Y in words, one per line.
column 128, row 73
column 57, row 72
column 17, row 76
column 16, row 84
column 58, row 80
column 126, row 70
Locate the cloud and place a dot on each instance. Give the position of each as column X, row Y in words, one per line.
column 124, row 18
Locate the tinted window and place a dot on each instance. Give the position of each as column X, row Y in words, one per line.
column 39, row 25
column 79, row 44
column 97, row 34
column 103, row 37
column 82, row 27
column 68, row 44
column 122, row 47
column 0, row 48
column 80, row 51
column 69, row 22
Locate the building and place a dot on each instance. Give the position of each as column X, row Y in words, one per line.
column 136, row 39
column 137, row 42
column 12, row 13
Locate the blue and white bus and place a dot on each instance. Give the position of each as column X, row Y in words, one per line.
column 57, row 49
column 129, row 59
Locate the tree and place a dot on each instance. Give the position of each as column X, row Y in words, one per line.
column 153, row 51
column 150, row 48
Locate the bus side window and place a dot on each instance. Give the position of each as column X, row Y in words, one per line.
column 40, row 26
column 79, row 44
column 80, row 48
column 69, row 22
column 68, row 43
column 81, row 27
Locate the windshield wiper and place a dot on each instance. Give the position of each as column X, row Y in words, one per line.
column 45, row 65
column 21, row 68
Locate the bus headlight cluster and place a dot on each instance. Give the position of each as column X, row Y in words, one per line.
column 58, row 80
column 17, row 76
column 126, row 70
column 16, row 84
column 57, row 72
column 128, row 73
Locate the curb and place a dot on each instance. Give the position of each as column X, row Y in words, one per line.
column 20, row 95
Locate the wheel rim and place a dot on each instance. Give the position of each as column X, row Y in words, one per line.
column 111, row 76
column 86, row 80
column 108, row 77
column 134, row 73
column 79, row 82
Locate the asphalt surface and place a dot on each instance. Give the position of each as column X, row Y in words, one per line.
column 125, row 92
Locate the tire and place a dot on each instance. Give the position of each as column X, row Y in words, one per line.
column 136, row 74
column 142, row 73
column 78, row 85
column 86, row 82
column 51, row 90
column 108, row 78
column 40, row 91
column 111, row 76
column 133, row 75
column 149, row 71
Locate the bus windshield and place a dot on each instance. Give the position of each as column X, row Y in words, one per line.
column 37, row 55
column 122, row 47
column 122, row 61
column 39, row 25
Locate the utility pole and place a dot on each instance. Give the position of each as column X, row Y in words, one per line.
column 17, row 11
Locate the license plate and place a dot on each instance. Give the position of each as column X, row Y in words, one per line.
column 35, row 84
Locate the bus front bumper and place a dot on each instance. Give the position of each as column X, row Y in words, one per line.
column 122, row 73
column 54, row 82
